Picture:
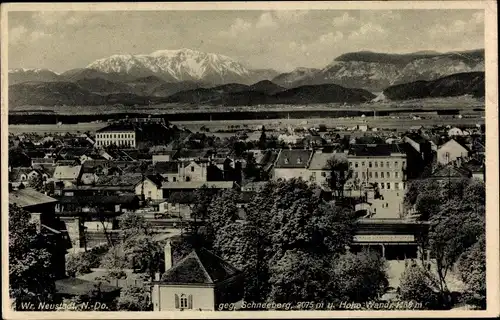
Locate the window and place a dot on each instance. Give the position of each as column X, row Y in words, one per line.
column 370, row 174
column 376, row 164
column 386, row 205
column 388, row 185
column 396, row 164
column 364, row 174
column 404, row 163
column 355, row 164
column 396, row 186
column 381, row 164
column 184, row 301
column 381, row 174
column 382, row 185
column 323, row 174
column 149, row 194
column 376, row 174
column 397, row 174
column 370, row 164
column 356, row 175
column 350, row 163
column 362, row 163
column 388, row 164
column 192, row 168
column 174, row 179
column 388, row 174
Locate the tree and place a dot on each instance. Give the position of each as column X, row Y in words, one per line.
column 339, row 174
column 359, row 277
column 132, row 224
column 221, row 212
column 133, row 298
column 299, row 276
column 31, row 276
column 418, row 284
column 263, row 139
column 143, row 253
column 472, row 270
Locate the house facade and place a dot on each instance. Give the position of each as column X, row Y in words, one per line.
column 117, row 134
column 381, row 164
column 292, row 163
column 200, row 281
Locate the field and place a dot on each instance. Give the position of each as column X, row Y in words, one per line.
column 431, row 103
column 400, row 124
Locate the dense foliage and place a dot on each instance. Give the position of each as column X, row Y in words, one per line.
column 31, row 276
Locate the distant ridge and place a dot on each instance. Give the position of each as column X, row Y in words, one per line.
column 470, row 83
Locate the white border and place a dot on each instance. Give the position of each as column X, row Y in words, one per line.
column 491, row 100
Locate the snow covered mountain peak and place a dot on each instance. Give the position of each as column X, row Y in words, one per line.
column 176, row 65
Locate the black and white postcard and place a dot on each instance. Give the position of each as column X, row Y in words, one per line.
column 265, row 159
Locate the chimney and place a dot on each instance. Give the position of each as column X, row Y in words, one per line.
column 168, row 255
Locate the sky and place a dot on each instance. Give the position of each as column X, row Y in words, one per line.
column 282, row 39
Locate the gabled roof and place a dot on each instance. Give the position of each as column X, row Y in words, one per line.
column 15, row 173
column 200, row 267
column 117, row 127
column 29, row 197
column 454, row 141
column 293, row 158
column 99, row 199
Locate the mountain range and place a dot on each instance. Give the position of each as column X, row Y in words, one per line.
column 377, row 71
column 189, row 76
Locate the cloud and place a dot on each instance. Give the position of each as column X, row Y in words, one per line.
column 344, row 20
column 17, row 34
column 37, row 35
column 458, row 27
column 367, row 31
column 239, row 26
column 266, row 20
column 331, row 37
column 290, row 16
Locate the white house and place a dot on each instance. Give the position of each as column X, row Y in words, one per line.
column 151, row 186
column 200, row 281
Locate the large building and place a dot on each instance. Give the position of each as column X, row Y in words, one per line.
column 133, row 134
column 380, row 164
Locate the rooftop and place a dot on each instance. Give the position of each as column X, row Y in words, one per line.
column 319, row 160
column 375, row 150
column 29, row 197
column 117, row 127
column 293, row 158
column 200, row 266
column 67, row 172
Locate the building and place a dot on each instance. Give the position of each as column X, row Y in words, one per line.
column 119, row 134
column 200, row 281
column 318, row 166
column 476, row 167
column 133, row 134
column 449, row 173
column 451, row 151
column 189, row 186
column 292, row 163
column 67, row 174
column 150, row 186
column 381, row 164
column 394, row 239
